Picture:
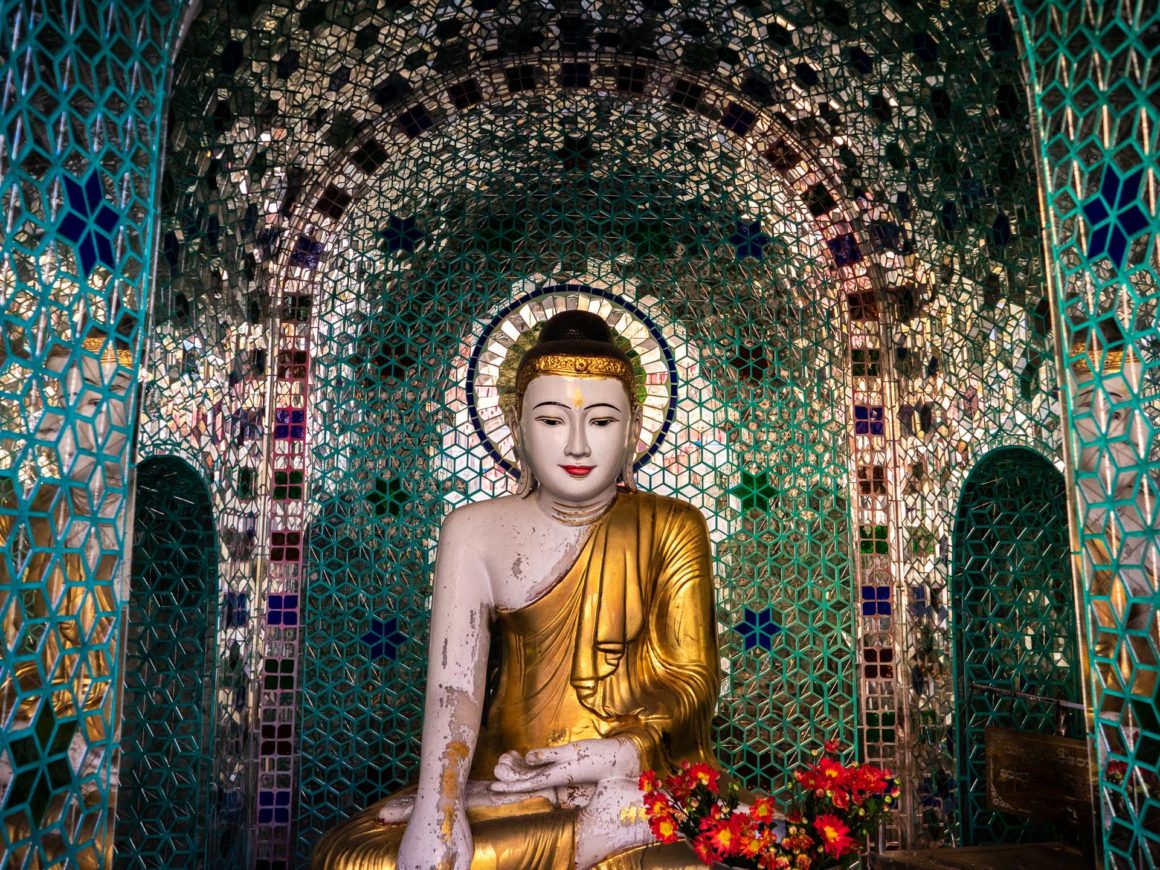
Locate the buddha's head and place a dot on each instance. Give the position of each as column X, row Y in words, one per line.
column 577, row 419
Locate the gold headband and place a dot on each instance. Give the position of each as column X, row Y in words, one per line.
column 569, row 365
column 1113, row 360
column 110, row 353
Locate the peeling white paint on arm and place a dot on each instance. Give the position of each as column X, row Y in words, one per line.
column 438, row 834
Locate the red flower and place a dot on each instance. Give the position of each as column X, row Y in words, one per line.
column 832, row 771
column 702, row 774
column 664, row 827
column 1116, row 771
column 831, row 746
column 703, row 849
column 649, row 781
column 841, row 799
column 657, row 803
column 763, row 810
column 835, row 835
column 725, row 835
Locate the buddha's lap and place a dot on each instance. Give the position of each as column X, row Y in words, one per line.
column 516, row 837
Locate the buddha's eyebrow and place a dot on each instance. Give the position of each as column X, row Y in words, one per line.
column 601, row 405
column 557, row 404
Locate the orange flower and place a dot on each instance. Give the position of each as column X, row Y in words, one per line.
column 756, row 841
column 835, row 835
column 803, row 862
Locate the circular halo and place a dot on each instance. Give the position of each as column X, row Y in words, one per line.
column 495, row 357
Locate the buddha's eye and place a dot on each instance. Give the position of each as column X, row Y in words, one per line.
column 603, row 421
column 550, row 421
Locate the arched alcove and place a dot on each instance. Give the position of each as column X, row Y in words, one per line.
column 167, row 736
column 1013, row 611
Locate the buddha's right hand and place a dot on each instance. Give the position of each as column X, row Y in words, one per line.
column 439, row 840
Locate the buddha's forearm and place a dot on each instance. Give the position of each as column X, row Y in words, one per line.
column 449, row 737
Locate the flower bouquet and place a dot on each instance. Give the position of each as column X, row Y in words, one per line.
column 828, row 821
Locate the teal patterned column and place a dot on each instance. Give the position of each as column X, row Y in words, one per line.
column 84, row 85
column 1094, row 73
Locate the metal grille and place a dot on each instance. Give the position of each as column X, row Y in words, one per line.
column 166, row 738
column 1015, row 633
column 1094, row 72
column 80, row 103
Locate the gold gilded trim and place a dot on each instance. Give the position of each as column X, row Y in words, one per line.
column 576, row 366
column 109, row 352
column 1113, row 360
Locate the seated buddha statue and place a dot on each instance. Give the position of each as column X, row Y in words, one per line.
column 603, row 600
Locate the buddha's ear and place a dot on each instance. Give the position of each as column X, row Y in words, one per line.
column 628, row 472
column 526, row 481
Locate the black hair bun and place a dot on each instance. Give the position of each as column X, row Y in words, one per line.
column 576, row 326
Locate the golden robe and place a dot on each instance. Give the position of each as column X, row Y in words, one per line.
column 624, row 644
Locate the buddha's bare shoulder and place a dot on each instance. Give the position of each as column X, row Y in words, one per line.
column 490, row 516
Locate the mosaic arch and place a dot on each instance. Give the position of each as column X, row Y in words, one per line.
column 902, row 130
column 1013, row 606
column 164, row 794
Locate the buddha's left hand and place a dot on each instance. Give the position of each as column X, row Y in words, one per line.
column 582, row 762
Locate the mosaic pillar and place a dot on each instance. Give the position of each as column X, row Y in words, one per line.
column 81, row 109
column 1094, row 70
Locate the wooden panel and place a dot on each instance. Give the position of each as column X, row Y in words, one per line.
column 1038, row 775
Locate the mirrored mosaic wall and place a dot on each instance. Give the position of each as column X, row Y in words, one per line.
column 1094, row 73
column 825, row 212
column 82, row 87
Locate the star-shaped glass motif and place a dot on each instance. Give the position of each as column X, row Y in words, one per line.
column 383, row 639
column 758, row 628
column 749, row 240
column 388, row 496
column 401, row 234
column 1115, row 215
column 751, row 362
column 89, row 223
column 755, row 491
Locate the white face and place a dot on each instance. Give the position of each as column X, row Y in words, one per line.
column 574, row 433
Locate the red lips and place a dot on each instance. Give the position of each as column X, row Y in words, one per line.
column 578, row 470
